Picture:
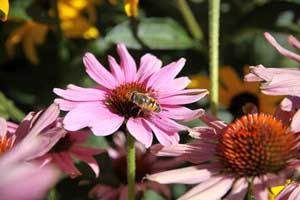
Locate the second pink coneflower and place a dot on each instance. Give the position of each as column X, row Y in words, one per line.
column 248, row 156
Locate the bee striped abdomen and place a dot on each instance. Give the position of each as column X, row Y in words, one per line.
column 145, row 102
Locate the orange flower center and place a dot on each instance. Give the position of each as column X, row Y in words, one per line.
column 256, row 144
column 6, row 143
column 119, row 100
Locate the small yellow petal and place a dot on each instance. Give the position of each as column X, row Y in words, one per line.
column 4, row 7
column 91, row 33
column 131, row 8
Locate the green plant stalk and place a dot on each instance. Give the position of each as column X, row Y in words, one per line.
column 214, row 24
column 190, row 19
column 130, row 166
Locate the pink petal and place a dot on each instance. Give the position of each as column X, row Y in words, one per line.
column 127, row 63
column 66, row 105
column 93, row 115
column 65, row 163
column 204, row 133
column 166, row 124
column 87, row 158
column 107, row 125
column 166, row 74
column 280, row 49
column 79, row 137
column 88, row 151
column 290, row 103
column 294, row 42
column 186, row 175
column 3, row 127
column 45, row 119
column 295, row 194
column 238, row 190
column 149, row 64
column 139, row 129
column 172, row 150
column 97, row 72
column 184, row 97
column 213, row 122
column 174, row 86
column 12, row 127
column 180, row 113
column 286, row 192
column 116, row 70
column 75, row 93
column 213, row 192
column 104, row 192
column 43, row 143
column 164, row 138
column 27, row 181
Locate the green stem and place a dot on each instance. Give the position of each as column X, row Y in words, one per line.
column 190, row 19
column 214, row 23
column 130, row 166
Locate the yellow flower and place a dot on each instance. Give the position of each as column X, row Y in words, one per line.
column 131, row 7
column 31, row 35
column 4, row 7
column 73, row 22
column 234, row 92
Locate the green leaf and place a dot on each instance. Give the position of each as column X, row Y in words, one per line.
column 155, row 33
column 9, row 110
column 97, row 142
column 17, row 9
column 151, row 195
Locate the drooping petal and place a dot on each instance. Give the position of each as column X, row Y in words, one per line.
column 287, row 191
column 172, row 150
column 294, row 42
column 295, row 124
column 186, row 175
column 149, row 64
column 166, row 124
column 84, row 154
column 280, row 49
column 45, row 119
column 116, row 70
column 214, row 192
column 127, row 63
column 260, row 190
column 165, row 74
column 76, row 93
column 97, row 72
column 65, row 163
column 140, row 131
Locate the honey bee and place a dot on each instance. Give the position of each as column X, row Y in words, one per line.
column 144, row 101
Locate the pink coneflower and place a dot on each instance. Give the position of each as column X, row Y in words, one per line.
column 250, row 155
column 278, row 81
column 71, row 145
column 146, row 163
column 148, row 99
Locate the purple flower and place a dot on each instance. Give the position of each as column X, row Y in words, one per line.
column 147, row 99
column 257, row 151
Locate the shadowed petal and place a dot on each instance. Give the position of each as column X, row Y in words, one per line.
column 81, row 154
column 127, row 63
column 180, row 113
column 65, row 163
column 3, row 127
column 238, row 190
column 97, row 72
column 294, row 42
column 139, row 129
column 66, row 105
